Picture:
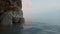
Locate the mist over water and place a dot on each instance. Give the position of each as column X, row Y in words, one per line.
column 52, row 17
column 43, row 23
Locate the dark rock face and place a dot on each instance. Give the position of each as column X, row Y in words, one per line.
column 11, row 15
column 8, row 5
column 10, row 9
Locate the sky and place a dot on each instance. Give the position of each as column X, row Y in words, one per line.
column 38, row 4
column 42, row 10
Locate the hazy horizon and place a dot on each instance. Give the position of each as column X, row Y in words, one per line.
column 44, row 11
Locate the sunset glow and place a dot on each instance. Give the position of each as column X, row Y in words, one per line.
column 27, row 4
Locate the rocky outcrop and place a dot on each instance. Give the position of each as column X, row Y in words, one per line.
column 11, row 12
column 6, row 5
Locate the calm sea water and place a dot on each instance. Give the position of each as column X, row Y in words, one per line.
column 42, row 23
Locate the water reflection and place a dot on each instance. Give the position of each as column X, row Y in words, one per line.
column 15, row 28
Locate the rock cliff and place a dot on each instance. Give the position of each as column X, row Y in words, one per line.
column 10, row 11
